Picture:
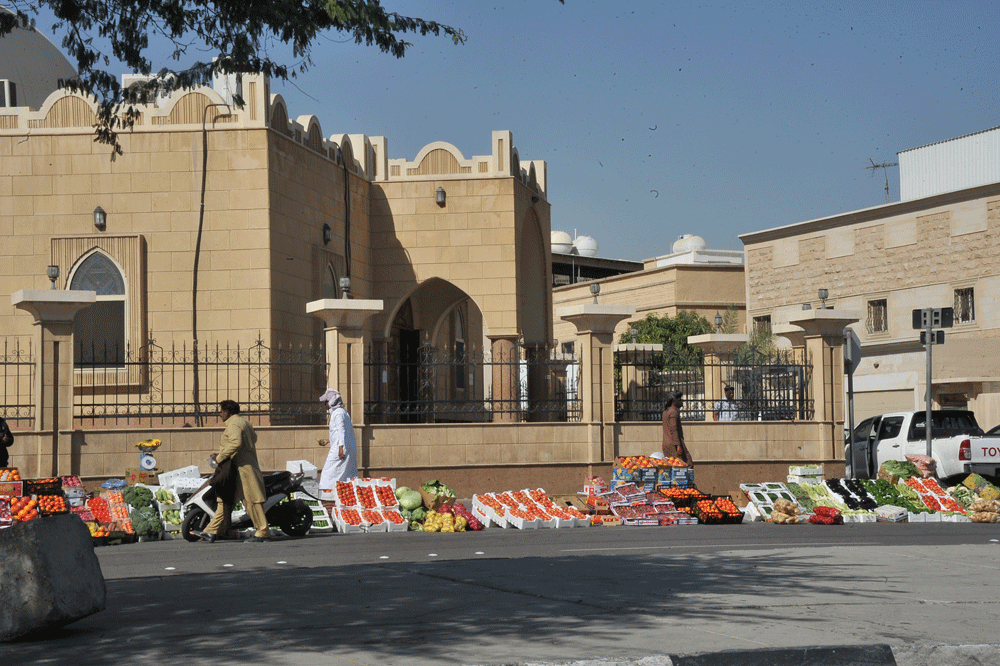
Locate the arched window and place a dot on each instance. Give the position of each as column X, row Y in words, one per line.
column 330, row 288
column 460, row 354
column 99, row 330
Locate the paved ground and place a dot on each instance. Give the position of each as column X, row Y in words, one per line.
column 647, row 596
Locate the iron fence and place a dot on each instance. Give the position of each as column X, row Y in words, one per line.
column 435, row 385
column 183, row 386
column 768, row 385
column 17, row 368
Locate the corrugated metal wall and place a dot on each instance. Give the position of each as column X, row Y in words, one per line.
column 952, row 165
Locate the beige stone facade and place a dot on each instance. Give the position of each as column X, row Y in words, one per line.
column 705, row 289
column 222, row 224
column 884, row 262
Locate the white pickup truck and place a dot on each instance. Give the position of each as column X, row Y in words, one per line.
column 954, row 435
column 986, row 454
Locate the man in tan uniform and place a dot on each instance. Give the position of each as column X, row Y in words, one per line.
column 239, row 443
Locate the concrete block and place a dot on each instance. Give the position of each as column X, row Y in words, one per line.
column 51, row 576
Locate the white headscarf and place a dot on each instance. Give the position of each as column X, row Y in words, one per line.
column 333, row 397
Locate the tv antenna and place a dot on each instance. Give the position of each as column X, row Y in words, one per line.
column 884, row 166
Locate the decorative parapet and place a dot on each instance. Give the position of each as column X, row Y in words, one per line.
column 441, row 159
column 365, row 156
column 64, row 110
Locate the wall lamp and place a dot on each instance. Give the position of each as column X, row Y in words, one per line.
column 327, row 234
column 439, row 196
column 345, row 286
column 718, row 323
column 595, row 289
column 100, row 219
column 823, row 295
column 53, row 274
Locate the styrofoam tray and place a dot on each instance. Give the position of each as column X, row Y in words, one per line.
column 169, row 478
column 304, row 466
column 522, row 524
column 187, row 484
column 322, row 525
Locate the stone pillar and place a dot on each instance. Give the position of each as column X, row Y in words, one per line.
column 53, row 310
column 823, row 334
column 345, row 353
column 506, row 378
column 717, row 347
column 595, row 330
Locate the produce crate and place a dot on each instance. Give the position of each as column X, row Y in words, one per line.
column 321, row 525
column 43, row 487
column 523, row 524
column 486, row 516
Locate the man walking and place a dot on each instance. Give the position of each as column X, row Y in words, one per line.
column 239, row 444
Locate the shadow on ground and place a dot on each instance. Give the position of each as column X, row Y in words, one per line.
column 394, row 610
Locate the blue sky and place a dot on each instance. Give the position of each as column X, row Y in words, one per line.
column 663, row 118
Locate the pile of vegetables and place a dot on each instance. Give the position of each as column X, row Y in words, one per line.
column 447, row 518
column 825, row 515
column 904, row 469
column 436, row 488
column 146, row 521
column 138, row 497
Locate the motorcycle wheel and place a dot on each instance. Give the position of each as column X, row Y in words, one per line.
column 294, row 518
column 197, row 520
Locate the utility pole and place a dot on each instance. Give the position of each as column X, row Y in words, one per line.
column 884, row 166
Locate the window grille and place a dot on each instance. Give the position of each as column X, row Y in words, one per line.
column 878, row 320
column 965, row 305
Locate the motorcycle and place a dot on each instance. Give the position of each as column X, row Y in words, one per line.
column 293, row 517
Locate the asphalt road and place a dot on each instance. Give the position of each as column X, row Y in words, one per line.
column 588, row 595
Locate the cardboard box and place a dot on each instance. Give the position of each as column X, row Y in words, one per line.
column 434, row 502
column 981, row 487
column 134, row 475
column 12, row 488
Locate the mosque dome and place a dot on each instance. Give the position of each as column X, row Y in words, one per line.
column 30, row 61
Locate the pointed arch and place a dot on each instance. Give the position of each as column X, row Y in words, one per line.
column 101, row 330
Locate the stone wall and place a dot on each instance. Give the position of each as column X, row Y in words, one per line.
column 555, row 456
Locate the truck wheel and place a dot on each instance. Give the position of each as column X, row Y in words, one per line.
column 195, row 520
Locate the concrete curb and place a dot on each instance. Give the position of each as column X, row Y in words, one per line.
column 841, row 655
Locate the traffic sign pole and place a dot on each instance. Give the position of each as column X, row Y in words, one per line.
column 927, row 417
column 927, row 319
